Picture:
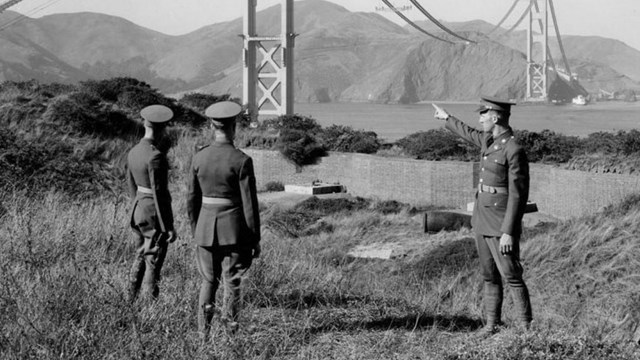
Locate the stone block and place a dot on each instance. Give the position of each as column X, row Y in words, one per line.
column 314, row 189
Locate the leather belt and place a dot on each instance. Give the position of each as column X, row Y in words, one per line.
column 218, row 201
column 145, row 190
column 492, row 189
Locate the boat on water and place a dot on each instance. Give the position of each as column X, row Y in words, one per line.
column 579, row 100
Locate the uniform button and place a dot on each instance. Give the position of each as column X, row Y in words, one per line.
column 480, row 180
column 496, row 160
column 504, row 141
column 495, row 204
column 496, row 147
column 482, row 169
column 485, row 158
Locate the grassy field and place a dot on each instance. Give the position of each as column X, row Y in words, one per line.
column 64, row 262
column 65, row 253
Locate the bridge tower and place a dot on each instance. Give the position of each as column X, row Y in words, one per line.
column 537, row 66
column 273, row 75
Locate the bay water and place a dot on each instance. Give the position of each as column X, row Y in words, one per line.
column 394, row 121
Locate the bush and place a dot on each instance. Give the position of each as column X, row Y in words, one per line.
column 200, row 102
column 273, row 186
column 110, row 89
column 437, row 144
column 300, row 147
column 548, row 146
column 292, row 122
column 346, row 139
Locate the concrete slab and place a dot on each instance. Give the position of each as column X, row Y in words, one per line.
column 314, row 189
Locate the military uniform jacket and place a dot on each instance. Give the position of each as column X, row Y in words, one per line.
column 148, row 167
column 222, row 171
column 504, row 164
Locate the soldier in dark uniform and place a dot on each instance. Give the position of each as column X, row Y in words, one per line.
column 151, row 214
column 223, row 209
column 501, row 199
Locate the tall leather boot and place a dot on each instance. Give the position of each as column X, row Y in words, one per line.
column 522, row 306
column 493, row 309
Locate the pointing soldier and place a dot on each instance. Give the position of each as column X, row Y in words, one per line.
column 501, row 199
column 223, row 210
column 151, row 214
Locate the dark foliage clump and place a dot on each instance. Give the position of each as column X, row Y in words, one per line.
column 293, row 122
column 200, row 102
column 390, row 207
column 49, row 163
column 82, row 114
column 111, row 90
column 273, row 186
column 324, row 207
column 548, row 146
column 437, row 144
column 346, row 139
column 300, row 147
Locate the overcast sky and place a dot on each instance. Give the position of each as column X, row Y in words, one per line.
column 618, row 19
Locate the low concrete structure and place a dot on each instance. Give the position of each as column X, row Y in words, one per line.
column 314, row 189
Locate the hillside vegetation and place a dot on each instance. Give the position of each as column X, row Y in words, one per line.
column 64, row 240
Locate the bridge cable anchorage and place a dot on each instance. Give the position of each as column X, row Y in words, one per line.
column 412, row 24
column 499, row 24
column 438, row 23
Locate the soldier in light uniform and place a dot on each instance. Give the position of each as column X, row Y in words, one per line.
column 151, row 214
column 223, row 210
column 501, row 199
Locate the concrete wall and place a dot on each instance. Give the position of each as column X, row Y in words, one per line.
column 558, row 192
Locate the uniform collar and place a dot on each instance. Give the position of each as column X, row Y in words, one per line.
column 503, row 136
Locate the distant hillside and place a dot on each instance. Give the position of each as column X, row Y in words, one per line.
column 339, row 56
column 600, row 63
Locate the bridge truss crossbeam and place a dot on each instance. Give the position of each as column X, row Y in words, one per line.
column 273, row 76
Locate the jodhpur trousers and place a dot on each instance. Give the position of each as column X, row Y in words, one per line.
column 151, row 250
column 216, row 264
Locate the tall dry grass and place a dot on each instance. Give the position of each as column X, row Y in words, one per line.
column 64, row 265
column 64, row 260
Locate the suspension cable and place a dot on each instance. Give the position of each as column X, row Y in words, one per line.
column 411, row 23
column 435, row 21
column 524, row 14
column 30, row 12
column 555, row 24
column 513, row 6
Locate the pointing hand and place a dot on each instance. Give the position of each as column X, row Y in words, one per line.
column 441, row 114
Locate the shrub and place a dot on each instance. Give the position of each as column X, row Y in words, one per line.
column 600, row 142
column 346, row 139
column 273, row 186
column 437, row 144
column 200, row 102
column 292, row 122
column 300, row 147
column 548, row 146
column 110, row 89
